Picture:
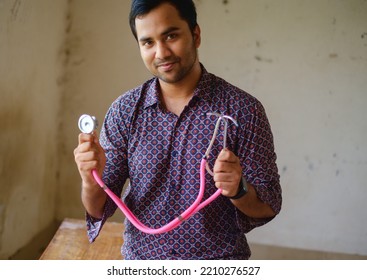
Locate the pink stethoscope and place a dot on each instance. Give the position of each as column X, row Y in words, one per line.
column 87, row 124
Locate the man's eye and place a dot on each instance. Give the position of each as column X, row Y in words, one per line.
column 147, row 43
column 171, row 36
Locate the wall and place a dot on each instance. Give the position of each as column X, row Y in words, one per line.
column 305, row 60
column 103, row 62
column 31, row 36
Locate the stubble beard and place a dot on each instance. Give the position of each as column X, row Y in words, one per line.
column 181, row 73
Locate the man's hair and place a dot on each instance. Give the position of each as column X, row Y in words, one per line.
column 185, row 8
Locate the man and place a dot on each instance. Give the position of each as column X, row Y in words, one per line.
column 155, row 136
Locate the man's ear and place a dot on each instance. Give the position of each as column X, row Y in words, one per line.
column 197, row 36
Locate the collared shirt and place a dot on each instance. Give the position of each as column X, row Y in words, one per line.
column 160, row 154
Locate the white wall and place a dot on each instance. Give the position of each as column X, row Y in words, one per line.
column 103, row 63
column 31, row 37
column 305, row 60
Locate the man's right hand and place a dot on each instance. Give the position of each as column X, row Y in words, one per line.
column 89, row 155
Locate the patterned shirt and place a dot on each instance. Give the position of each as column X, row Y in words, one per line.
column 160, row 153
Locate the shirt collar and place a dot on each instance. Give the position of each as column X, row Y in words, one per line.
column 152, row 96
column 203, row 90
column 206, row 85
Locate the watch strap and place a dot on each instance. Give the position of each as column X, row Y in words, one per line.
column 242, row 190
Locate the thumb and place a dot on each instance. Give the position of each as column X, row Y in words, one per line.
column 224, row 154
column 228, row 156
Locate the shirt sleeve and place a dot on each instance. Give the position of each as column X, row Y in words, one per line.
column 258, row 160
column 113, row 139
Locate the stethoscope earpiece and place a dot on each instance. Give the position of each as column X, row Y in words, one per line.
column 87, row 123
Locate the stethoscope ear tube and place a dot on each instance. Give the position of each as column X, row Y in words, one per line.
column 221, row 118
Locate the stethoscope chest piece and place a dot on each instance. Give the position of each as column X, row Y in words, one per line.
column 87, row 123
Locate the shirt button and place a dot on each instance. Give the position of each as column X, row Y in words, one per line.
column 174, row 153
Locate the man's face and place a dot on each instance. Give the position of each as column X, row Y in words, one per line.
column 167, row 46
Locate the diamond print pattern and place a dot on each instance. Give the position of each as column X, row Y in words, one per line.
column 160, row 154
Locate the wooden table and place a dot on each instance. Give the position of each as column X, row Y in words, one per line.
column 71, row 242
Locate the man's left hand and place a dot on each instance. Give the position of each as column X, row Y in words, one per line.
column 227, row 172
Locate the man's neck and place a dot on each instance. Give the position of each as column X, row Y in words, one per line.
column 175, row 96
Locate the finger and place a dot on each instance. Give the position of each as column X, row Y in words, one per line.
column 85, row 147
column 225, row 166
column 225, row 177
column 225, row 186
column 86, row 156
column 228, row 189
column 85, row 137
column 87, row 166
column 219, row 166
column 227, row 156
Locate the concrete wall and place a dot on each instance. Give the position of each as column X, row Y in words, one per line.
column 305, row 60
column 31, row 40
column 103, row 62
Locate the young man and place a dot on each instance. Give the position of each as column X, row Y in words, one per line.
column 155, row 136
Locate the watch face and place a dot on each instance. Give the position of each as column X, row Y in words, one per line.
column 244, row 184
column 242, row 192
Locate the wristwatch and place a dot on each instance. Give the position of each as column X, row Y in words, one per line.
column 242, row 190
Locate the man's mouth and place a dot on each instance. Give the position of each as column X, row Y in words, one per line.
column 166, row 66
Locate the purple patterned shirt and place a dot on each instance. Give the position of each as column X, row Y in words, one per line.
column 160, row 154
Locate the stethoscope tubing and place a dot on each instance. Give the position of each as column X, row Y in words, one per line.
column 196, row 206
column 88, row 123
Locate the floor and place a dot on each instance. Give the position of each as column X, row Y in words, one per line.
column 259, row 252
column 264, row 252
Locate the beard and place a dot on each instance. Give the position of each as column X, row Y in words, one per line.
column 181, row 69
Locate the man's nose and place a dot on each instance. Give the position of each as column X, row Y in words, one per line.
column 162, row 51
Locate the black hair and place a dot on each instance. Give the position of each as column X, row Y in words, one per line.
column 185, row 8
